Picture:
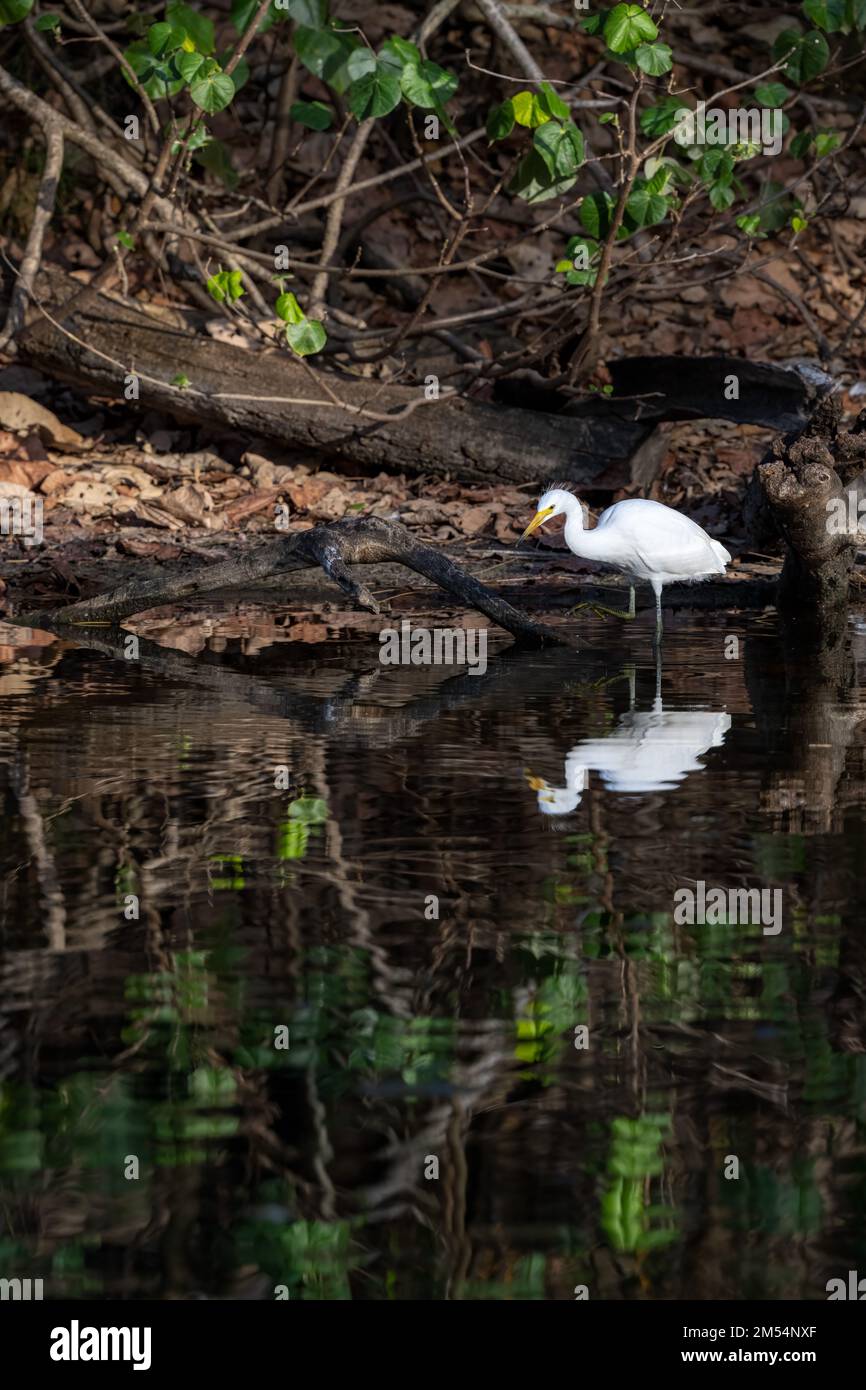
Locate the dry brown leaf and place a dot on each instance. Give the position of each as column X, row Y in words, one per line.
column 29, row 475
column 474, row 520
column 193, row 504
column 24, row 416
column 153, row 550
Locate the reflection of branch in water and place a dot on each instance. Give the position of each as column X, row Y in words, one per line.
column 330, row 715
column 804, row 694
column 51, row 894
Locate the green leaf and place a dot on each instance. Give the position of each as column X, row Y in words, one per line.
column 553, row 103
column 750, row 223
column 857, row 13
column 11, row 11
column 528, row 110
column 181, row 380
column 560, row 146
column 826, row 141
column 772, row 94
column 807, row 54
column 375, row 94
column 289, row 310
column 158, row 78
column 802, row 143
column 126, row 240
column 326, row 55
column 212, row 90
column 798, row 223
column 829, row 15
column 775, row 207
column 606, row 117
column 164, row 38
column 242, row 14
column 592, row 23
column 659, row 120
column 596, row 214
column 533, row 181
column 188, row 64
column 645, row 208
column 716, row 166
column 216, row 159
column 578, row 265
column 427, row 85
column 400, row 52
column 312, row 13
column 654, row 58
column 196, row 26
column 361, row 62
column 306, row 338
column 626, row 26
column 226, row 284
column 500, row 122
column 199, row 138
column 241, row 74
column 721, row 196
column 46, row 22
column 315, row 115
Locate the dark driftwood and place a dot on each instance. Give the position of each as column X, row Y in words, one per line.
column 594, row 444
column 363, row 540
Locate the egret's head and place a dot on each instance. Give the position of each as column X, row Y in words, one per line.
column 552, row 801
column 553, row 503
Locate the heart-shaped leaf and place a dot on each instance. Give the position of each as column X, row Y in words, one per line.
column 315, row 115
column 375, row 94
column 212, row 90
column 306, row 338
column 626, row 26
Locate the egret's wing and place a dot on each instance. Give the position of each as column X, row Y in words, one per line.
column 662, row 539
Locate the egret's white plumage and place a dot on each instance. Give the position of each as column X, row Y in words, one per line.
column 646, row 752
column 645, row 540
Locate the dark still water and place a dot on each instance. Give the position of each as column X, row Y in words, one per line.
column 355, row 982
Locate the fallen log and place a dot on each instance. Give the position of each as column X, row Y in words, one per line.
column 362, row 540
column 594, row 445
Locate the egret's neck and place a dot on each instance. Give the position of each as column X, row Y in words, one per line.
column 577, row 538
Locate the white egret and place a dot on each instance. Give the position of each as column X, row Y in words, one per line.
column 645, row 540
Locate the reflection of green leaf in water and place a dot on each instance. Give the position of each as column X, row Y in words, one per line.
column 213, row 1086
column 21, row 1140
column 306, row 814
column 311, row 810
column 233, row 882
column 635, row 1157
column 22, row 1152
column 558, row 1003
column 293, row 837
column 527, row 1283
column 779, row 1204
column 125, row 881
column 420, row 1050
column 182, row 1122
column 779, row 857
column 312, row 1258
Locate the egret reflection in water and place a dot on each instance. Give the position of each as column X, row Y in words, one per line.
column 647, row 751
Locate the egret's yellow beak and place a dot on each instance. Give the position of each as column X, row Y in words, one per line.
column 537, row 520
column 537, row 784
